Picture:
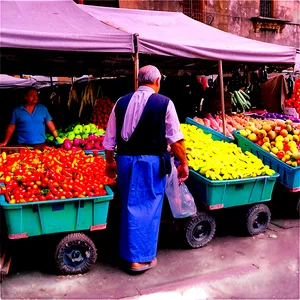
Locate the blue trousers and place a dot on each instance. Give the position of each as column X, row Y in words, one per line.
column 142, row 192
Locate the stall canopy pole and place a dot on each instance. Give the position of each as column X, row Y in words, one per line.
column 222, row 95
column 136, row 61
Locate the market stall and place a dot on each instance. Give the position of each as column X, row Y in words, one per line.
column 55, row 38
column 77, row 29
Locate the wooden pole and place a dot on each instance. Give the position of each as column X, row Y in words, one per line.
column 222, row 95
column 136, row 61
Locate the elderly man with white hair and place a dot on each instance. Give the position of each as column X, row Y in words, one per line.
column 141, row 125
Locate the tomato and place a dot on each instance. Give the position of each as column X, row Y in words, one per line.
column 42, row 198
column 50, row 196
column 75, row 194
column 55, row 184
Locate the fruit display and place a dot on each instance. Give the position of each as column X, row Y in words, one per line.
column 281, row 139
column 101, row 111
column 219, row 160
column 80, row 136
column 240, row 121
column 294, row 101
column 33, row 175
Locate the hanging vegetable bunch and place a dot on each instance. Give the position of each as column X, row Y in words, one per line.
column 240, row 100
column 88, row 96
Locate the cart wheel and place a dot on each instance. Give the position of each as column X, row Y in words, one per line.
column 75, row 253
column 258, row 219
column 199, row 230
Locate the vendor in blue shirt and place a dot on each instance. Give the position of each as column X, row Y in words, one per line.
column 29, row 121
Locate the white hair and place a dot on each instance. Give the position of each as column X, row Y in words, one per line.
column 148, row 74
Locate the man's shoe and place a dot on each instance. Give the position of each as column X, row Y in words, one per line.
column 139, row 267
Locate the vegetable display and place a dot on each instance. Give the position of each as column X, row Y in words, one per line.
column 80, row 136
column 101, row 112
column 219, row 160
column 33, row 175
column 294, row 101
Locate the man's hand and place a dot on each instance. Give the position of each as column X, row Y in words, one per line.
column 183, row 173
column 111, row 169
column 3, row 144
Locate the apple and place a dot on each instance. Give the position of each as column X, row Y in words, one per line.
column 267, row 127
column 274, row 150
column 280, row 154
column 289, row 128
column 277, row 129
column 59, row 140
column 253, row 137
column 296, row 138
column 296, row 132
column 78, row 129
column 71, row 135
column 86, row 129
column 272, row 135
column 262, row 134
column 279, row 145
column 260, row 142
column 284, row 132
column 266, row 140
column 265, row 147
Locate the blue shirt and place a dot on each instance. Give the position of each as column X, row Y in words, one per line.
column 30, row 127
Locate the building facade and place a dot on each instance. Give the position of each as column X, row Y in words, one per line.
column 272, row 21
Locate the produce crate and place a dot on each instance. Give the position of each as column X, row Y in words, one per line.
column 53, row 216
column 218, row 194
column 95, row 152
column 288, row 176
column 216, row 136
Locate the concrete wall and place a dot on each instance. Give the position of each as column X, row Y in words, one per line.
column 164, row 5
column 234, row 16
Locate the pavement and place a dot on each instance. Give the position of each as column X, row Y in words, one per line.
column 231, row 266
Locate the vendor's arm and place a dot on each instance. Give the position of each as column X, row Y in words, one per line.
column 52, row 128
column 109, row 145
column 9, row 132
column 175, row 138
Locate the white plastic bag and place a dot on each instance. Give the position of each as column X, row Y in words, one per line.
column 180, row 199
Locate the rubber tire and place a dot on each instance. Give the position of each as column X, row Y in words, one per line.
column 75, row 241
column 258, row 210
column 191, row 226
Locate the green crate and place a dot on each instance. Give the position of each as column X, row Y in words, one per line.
column 228, row 193
column 288, row 176
column 216, row 136
column 32, row 219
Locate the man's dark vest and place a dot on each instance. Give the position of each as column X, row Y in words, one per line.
column 148, row 137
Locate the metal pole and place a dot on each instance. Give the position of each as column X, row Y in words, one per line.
column 222, row 95
column 136, row 61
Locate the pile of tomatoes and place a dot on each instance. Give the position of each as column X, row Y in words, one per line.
column 52, row 174
column 295, row 98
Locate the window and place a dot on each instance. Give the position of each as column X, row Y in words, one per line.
column 266, row 8
column 193, row 9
